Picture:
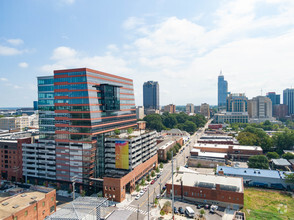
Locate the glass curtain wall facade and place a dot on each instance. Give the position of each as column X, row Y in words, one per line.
column 88, row 104
column 151, row 95
column 222, row 92
column 288, row 99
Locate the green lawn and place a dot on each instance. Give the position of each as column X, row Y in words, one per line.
column 267, row 204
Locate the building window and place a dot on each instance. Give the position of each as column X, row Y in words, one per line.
column 113, row 188
column 105, row 194
column 229, row 197
column 110, row 188
column 26, row 213
column 186, row 193
column 105, row 187
column 43, row 204
column 15, row 218
column 35, row 208
column 52, row 208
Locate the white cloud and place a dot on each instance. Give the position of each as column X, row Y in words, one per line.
column 15, row 42
column 61, row 53
column 23, row 65
column 69, row 2
column 9, row 51
column 132, row 23
column 3, row 79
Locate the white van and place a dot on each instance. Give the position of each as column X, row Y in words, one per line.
column 189, row 212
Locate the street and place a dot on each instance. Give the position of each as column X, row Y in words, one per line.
column 179, row 160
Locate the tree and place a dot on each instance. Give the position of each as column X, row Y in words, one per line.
column 152, row 173
column 288, row 156
column 157, row 170
column 148, row 178
column 137, row 188
column 143, row 182
column 170, row 121
column 168, row 155
column 273, row 155
column 161, row 165
column 202, row 212
column 83, row 193
column 130, row 130
column 189, row 127
column 116, row 131
column 289, row 177
column 258, row 161
column 284, row 140
column 155, row 201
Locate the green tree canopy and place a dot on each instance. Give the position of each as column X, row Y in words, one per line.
column 290, row 177
column 258, row 161
column 170, row 121
column 288, row 156
column 273, row 155
column 189, row 127
column 284, row 140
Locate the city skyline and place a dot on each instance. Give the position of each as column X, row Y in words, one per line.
column 183, row 46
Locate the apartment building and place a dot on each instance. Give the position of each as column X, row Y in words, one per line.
column 14, row 123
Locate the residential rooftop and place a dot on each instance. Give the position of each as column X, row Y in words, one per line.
column 281, row 162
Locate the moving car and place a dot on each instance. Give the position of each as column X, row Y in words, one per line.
column 181, row 210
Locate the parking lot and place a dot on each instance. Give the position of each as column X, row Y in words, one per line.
column 216, row 216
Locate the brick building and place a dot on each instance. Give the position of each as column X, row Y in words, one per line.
column 208, row 189
column 238, row 152
column 11, row 158
column 36, row 203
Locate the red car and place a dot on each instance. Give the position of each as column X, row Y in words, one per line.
column 152, row 182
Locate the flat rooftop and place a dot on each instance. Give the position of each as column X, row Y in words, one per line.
column 281, row 162
column 163, row 145
column 12, row 204
column 225, row 146
column 252, row 172
column 209, row 154
column 208, row 181
column 217, row 137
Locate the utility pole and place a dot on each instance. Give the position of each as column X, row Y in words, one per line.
column 73, row 187
column 138, row 210
column 172, row 185
column 148, row 203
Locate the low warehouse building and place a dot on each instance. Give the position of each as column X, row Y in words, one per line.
column 219, row 190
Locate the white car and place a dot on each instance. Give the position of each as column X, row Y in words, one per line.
column 141, row 193
column 137, row 197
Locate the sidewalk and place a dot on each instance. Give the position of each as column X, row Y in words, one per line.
column 129, row 199
column 228, row 214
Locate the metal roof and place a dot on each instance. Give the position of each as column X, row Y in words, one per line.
column 281, row 162
column 82, row 208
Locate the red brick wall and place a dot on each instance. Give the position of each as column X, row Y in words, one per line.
column 41, row 211
column 208, row 194
column 118, row 185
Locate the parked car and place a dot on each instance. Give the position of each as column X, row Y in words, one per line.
column 163, row 188
column 175, row 210
column 152, row 182
column 181, row 210
column 158, row 175
column 189, row 212
column 207, row 206
column 186, row 166
column 137, row 197
column 213, row 208
column 199, row 206
column 158, row 196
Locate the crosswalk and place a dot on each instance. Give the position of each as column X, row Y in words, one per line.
column 134, row 209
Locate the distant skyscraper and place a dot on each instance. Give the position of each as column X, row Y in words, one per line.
column 237, row 103
column 189, row 108
column 288, row 99
column 274, row 97
column 260, row 107
column 222, row 91
column 151, row 95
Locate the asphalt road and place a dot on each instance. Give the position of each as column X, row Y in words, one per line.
column 179, row 160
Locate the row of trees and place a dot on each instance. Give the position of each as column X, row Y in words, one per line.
column 283, row 140
column 181, row 121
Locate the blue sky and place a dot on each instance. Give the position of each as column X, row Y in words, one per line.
column 181, row 44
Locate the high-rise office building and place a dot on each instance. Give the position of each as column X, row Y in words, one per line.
column 237, row 103
column 288, row 99
column 151, row 95
column 189, row 108
column 275, row 98
column 77, row 108
column 260, row 107
column 222, row 92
